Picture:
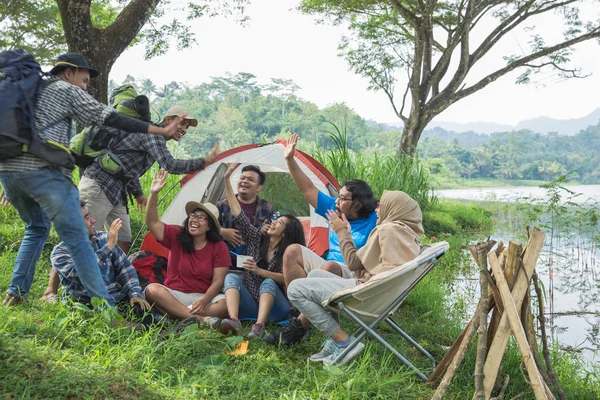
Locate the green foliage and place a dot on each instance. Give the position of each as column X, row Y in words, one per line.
column 381, row 172
column 511, row 156
column 388, row 41
column 33, row 25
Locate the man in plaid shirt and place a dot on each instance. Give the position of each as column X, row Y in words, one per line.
column 42, row 192
column 118, row 274
column 106, row 195
column 256, row 209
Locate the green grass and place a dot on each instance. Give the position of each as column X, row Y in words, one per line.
column 62, row 352
column 445, row 182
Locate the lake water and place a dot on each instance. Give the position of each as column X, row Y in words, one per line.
column 588, row 193
column 568, row 269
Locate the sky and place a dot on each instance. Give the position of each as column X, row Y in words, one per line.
column 279, row 42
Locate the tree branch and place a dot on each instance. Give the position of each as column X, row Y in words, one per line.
column 510, row 23
column 522, row 62
column 135, row 15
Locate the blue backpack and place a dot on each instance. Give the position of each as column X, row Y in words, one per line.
column 20, row 83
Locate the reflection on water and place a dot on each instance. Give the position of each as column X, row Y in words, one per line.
column 567, row 269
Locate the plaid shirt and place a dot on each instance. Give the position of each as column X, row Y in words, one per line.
column 119, row 276
column 137, row 152
column 251, row 235
column 264, row 211
column 57, row 105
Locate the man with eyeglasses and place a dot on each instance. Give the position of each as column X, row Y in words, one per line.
column 356, row 202
column 257, row 210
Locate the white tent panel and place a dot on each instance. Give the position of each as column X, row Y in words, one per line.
column 269, row 158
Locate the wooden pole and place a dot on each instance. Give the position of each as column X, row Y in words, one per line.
column 483, row 312
column 510, row 310
column 461, row 349
column 442, row 366
column 545, row 352
column 498, row 346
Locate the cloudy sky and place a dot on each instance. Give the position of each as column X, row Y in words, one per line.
column 279, row 42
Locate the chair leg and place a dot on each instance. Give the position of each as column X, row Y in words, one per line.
column 405, row 335
column 368, row 329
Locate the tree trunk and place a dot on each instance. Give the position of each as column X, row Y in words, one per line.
column 413, row 128
column 102, row 47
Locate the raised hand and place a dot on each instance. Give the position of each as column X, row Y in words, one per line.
column 230, row 168
column 159, row 181
column 212, row 156
column 336, row 223
column 113, row 233
column 290, row 149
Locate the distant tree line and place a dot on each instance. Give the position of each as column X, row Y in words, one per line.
column 236, row 110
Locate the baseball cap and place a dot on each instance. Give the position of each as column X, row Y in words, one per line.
column 178, row 111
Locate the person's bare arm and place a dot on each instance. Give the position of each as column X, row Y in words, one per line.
column 199, row 306
column 154, row 224
column 304, row 184
column 234, row 204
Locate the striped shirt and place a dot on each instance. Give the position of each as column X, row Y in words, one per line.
column 58, row 104
column 119, row 276
column 137, row 152
column 251, row 235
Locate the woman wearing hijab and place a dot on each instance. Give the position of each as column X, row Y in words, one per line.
column 394, row 241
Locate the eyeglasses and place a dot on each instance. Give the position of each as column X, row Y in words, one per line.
column 199, row 217
column 342, row 198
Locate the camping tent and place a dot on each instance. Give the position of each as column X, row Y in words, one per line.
column 208, row 186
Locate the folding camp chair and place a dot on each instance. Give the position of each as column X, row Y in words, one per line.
column 370, row 303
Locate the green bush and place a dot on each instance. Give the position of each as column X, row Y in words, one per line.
column 437, row 223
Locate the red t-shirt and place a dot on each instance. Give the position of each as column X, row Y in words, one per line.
column 192, row 272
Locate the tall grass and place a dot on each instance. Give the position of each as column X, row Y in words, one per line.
column 390, row 171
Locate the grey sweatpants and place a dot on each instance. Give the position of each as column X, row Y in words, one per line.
column 306, row 294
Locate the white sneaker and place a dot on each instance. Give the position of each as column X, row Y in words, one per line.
column 326, row 350
column 212, row 322
column 358, row 347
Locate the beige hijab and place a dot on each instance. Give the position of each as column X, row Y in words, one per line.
column 395, row 239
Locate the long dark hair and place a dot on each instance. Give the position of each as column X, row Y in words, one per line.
column 362, row 195
column 292, row 233
column 187, row 241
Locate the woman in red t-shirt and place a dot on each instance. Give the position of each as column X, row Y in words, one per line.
column 198, row 261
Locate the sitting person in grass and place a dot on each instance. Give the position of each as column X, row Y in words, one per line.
column 118, row 274
column 258, row 294
column 394, row 241
column 198, row 262
column 356, row 202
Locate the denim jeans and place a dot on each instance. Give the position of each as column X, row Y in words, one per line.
column 41, row 196
column 248, row 307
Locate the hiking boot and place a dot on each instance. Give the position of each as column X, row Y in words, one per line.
column 326, row 351
column 231, row 325
column 258, row 331
column 11, row 300
column 337, row 350
column 290, row 334
column 212, row 322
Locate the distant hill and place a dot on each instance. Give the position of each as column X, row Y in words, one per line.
column 538, row 125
